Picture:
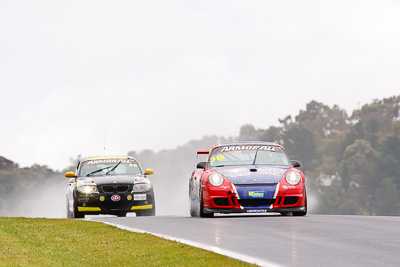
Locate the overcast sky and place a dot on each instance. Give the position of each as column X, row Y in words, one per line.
column 156, row 74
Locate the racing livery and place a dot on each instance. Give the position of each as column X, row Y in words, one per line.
column 109, row 185
column 247, row 177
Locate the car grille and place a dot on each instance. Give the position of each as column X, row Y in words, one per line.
column 290, row 200
column 113, row 206
column 222, row 201
column 255, row 202
column 115, row 188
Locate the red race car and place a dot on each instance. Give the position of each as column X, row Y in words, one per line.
column 250, row 177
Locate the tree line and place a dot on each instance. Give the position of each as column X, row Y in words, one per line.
column 351, row 161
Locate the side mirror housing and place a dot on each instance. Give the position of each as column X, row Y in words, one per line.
column 70, row 175
column 296, row 163
column 201, row 165
column 148, row 171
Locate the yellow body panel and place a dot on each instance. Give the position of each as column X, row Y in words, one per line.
column 144, row 207
column 83, row 209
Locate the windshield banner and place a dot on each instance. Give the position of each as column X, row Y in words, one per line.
column 240, row 148
column 108, row 161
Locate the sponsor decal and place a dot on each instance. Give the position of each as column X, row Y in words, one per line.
column 83, row 199
column 139, row 197
column 270, row 171
column 284, row 187
column 239, row 148
column 257, row 211
column 115, row 198
column 108, row 161
column 237, row 172
column 256, row 194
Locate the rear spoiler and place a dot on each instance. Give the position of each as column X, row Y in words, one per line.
column 202, row 152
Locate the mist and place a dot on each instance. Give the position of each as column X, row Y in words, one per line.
column 46, row 196
column 157, row 74
column 351, row 164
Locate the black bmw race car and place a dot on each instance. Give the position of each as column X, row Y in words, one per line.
column 109, row 185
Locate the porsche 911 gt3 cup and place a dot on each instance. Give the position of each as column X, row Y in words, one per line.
column 250, row 177
column 109, row 185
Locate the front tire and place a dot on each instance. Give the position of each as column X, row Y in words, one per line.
column 301, row 213
column 201, row 207
column 76, row 214
column 151, row 212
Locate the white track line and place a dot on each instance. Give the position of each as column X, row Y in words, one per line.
column 225, row 252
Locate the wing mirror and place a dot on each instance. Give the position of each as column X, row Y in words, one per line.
column 148, row 171
column 70, row 175
column 201, row 165
column 295, row 163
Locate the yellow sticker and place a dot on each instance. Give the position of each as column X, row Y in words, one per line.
column 220, row 157
column 131, row 165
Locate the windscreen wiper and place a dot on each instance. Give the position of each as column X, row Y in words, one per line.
column 255, row 156
column 107, row 173
column 99, row 170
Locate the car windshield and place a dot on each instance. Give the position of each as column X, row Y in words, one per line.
column 104, row 167
column 247, row 155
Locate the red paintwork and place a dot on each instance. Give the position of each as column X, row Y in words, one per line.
column 226, row 190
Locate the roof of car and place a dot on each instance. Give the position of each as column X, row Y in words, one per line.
column 104, row 157
column 250, row 143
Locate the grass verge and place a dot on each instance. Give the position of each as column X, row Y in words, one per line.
column 62, row 242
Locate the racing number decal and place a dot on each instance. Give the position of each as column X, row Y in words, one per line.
column 220, row 157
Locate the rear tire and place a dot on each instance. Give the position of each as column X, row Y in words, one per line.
column 194, row 209
column 70, row 214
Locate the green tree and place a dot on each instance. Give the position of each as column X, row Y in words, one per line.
column 322, row 119
column 360, row 158
column 388, row 163
column 300, row 144
column 387, row 200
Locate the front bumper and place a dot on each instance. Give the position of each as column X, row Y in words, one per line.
column 103, row 203
column 275, row 198
column 254, row 210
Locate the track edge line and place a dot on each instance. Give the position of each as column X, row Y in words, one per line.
column 225, row 252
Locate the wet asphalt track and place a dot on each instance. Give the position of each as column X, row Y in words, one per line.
column 314, row 240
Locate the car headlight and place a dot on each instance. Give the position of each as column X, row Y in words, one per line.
column 293, row 178
column 216, row 179
column 88, row 189
column 141, row 187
